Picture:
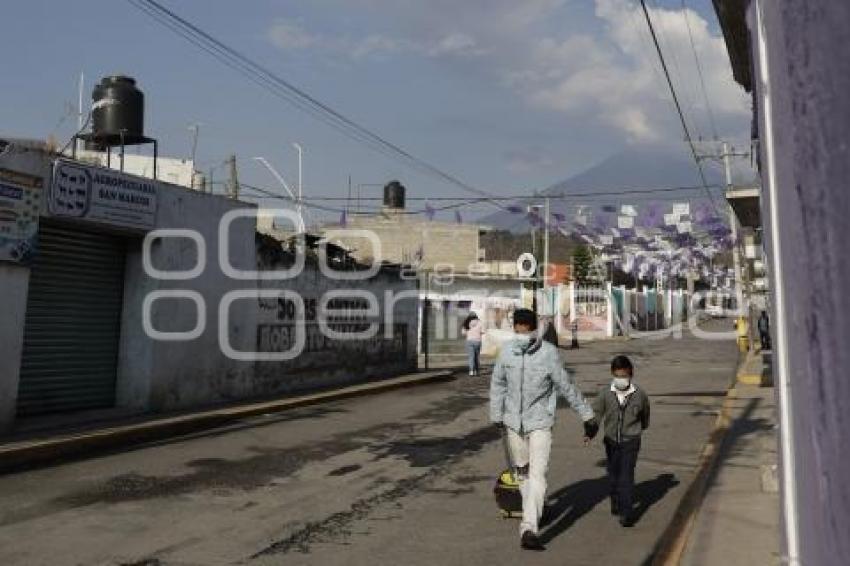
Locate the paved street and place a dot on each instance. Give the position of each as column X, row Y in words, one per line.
column 403, row 477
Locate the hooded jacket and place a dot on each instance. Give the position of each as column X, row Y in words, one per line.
column 526, row 380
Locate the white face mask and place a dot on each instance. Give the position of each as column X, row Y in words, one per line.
column 622, row 383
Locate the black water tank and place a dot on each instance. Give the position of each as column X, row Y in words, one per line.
column 394, row 195
column 117, row 106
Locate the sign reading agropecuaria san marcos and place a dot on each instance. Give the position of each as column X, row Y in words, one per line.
column 104, row 196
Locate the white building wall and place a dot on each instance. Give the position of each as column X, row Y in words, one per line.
column 159, row 375
column 25, row 158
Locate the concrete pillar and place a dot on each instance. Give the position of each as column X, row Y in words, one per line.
column 559, row 322
column 625, row 320
column 572, row 291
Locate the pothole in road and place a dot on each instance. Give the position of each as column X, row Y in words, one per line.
column 345, row 470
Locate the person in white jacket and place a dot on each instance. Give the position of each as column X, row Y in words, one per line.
column 523, row 396
column 473, row 329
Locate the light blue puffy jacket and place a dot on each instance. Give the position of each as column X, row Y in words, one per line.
column 525, row 383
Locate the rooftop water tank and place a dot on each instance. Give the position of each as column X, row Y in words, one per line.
column 394, row 195
column 118, row 112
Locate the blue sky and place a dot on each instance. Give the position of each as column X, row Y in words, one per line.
column 509, row 96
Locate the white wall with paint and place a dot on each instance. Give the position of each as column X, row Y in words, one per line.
column 161, row 375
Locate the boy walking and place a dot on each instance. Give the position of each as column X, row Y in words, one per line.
column 623, row 407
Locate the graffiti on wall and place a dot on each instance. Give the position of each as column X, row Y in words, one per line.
column 351, row 342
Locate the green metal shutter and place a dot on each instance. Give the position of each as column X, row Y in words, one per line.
column 72, row 322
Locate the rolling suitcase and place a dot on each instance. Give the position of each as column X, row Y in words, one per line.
column 506, row 490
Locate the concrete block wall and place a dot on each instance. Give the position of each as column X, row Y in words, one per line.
column 402, row 238
column 161, row 375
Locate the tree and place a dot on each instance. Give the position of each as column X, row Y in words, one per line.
column 582, row 262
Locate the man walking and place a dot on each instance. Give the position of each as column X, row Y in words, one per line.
column 523, row 396
column 764, row 330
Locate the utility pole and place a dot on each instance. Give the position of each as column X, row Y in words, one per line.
column 299, row 206
column 195, row 129
column 348, row 198
column 546, row 243
column 733, row 225
column 233, row 183
column 80, row 121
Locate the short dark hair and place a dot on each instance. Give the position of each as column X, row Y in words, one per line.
column 527, row 317
column 621, row 363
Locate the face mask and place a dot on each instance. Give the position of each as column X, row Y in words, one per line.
column 523, row 339
column 622, row 383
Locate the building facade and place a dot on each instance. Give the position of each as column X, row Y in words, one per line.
column 793, row 57
column 103, row 309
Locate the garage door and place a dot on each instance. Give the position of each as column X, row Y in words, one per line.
column 73, row 322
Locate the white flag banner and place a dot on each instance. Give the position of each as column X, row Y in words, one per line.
column 671, row 219
column 625, row 222
column 684, row 227
column 681, row 208
column 628, row 210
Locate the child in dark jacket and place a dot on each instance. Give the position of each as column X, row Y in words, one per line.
column 623, row 408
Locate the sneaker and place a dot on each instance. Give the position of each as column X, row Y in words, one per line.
column 626, row 520
column 530, row 541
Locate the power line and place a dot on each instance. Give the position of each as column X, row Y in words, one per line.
column 292, row 94
column 664, row 40
column 623, row 192
column 678, row 106
column 699, row 72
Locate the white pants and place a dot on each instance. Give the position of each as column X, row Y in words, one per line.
column 532, row 450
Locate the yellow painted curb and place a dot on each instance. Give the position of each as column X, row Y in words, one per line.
column 749, row 379
column 671, row 545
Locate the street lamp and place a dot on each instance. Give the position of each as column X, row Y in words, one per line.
column 282, row 181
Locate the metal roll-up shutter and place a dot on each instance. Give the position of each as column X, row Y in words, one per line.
column 72, row 322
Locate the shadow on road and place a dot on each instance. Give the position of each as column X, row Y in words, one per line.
column 650, row 492
column 571, row 503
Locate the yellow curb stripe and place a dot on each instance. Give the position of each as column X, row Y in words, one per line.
column 671, row 545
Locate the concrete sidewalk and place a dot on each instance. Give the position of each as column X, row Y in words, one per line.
column 738, row 520
column 51, row 446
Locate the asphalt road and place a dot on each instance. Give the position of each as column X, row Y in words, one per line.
column 403, row 477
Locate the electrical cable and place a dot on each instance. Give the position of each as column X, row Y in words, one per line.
column 708, row 108
column 296, row 96
column 678, row 106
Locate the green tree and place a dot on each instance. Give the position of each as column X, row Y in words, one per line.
column 582, row 262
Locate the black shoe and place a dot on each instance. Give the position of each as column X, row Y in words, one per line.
column 627, row 521
column 529, row 541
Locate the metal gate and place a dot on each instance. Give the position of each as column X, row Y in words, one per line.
column 72, row 322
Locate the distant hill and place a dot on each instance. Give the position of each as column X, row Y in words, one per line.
column 633, row 169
